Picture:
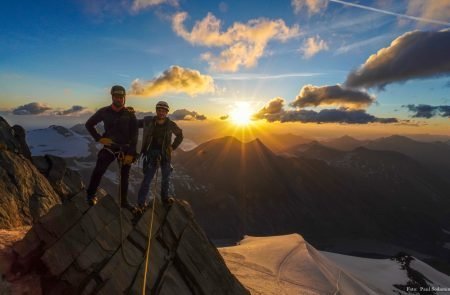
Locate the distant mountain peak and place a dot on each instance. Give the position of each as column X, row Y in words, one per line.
column 397, row 137
column 344, row 143
column 259, row 145
column 226, row 138
column 256, row 141
column 345, row 139
column 61, row 130
column 229, row 139
column 59, row 141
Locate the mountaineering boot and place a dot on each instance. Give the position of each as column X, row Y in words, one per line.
column 92, row 200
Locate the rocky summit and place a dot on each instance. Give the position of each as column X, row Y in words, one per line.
column 77, row 249
column 72, row 248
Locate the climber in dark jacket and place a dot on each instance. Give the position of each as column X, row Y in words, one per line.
column 119, row 141
column 157, row 147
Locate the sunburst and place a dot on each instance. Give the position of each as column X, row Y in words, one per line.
column 241, row 114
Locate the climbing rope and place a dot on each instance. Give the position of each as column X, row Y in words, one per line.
column 120, row 157
column 149, row 242
column 147, row 255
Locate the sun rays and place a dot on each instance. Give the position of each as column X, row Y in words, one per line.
column 241, row 114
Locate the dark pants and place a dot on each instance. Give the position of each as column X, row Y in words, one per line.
column 150, row 168
column 104, row 159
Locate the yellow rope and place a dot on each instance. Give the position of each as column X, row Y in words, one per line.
column 149, row 242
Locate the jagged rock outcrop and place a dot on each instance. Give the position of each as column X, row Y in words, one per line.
column 30, row 188
column 66, row 182
column 13, row 139
column 25, row 192
column 76, row 249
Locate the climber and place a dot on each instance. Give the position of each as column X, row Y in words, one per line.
column 156, row 150
column 119, row 141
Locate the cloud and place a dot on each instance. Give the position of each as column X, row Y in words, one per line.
column 313, row 96
column 184, row 114
column 414, row 55
column 142, row 4
column 412, row 123
column 271, row 111
column 428, row 111
column 274, row 111
column 444, row 111
column 329, row 116
column 225, row 117
column 436, row 9
column 312, row 46
column 313, row 6
column 174, row 80
column 334, row 116
column 244, row 44
column 33, row 108
column 71, row 111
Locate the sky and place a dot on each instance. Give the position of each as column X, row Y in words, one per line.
column 325, row 67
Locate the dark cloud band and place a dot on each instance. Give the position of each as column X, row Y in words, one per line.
column 184, row 114
column 274, row 111
column 414, row 55
column 33, row 108
column 73, row 110
column 428, row 111
column 312, row 96
column 333, row 116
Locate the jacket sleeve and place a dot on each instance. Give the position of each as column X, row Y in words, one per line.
column 134, row 131
column 178, row 135
column 91, row 122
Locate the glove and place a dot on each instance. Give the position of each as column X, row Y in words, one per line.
column 128, row 160
column 105, row 141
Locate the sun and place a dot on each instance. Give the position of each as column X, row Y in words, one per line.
column 241, row 115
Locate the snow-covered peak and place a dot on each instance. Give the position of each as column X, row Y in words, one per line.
column 58, row 141
column 290, row 265
column 61, row 130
